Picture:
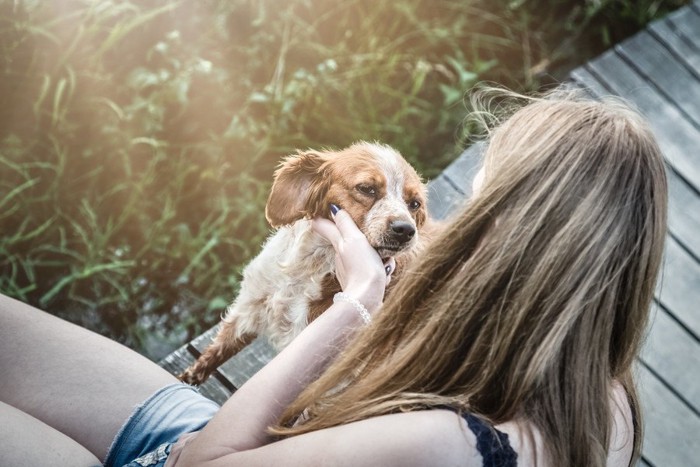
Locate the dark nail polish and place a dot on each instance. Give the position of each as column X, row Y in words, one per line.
column 334, row 209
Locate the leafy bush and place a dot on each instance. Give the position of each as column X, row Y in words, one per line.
column 138, row 139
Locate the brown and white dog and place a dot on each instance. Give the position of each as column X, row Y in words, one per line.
column 292, row 280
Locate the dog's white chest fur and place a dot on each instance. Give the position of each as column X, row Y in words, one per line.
column 279, row 284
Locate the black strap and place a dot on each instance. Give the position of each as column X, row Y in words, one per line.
column 493, row 445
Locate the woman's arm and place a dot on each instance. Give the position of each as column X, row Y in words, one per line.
column 241, row 423
column 431, row 437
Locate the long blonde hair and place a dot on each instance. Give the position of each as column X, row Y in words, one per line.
column 533, row 299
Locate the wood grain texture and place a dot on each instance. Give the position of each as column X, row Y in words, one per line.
column 673, row 353
column 683, row 213
column 682, row 36
column 662, row 66
column 461, row 172
column 443, row 197
column 679, row 286
column 670, row 429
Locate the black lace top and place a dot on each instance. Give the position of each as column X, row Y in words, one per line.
column 493, row 445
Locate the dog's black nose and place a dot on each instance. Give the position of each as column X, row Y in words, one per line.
column 402, row 231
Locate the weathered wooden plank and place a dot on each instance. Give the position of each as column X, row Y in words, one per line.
column 679, row 286
column 670, row 428
column 586, row 81
column 683, row 46
column 247, row 362
column 683, row 212
column 461, row 172
column 686, row 23
column 239, row 368
column 177, row 361
column 670, row 76
column 678, row 138
column 674, row 355
column 203, row 340
column 443, row 198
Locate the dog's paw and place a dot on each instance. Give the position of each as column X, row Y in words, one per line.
column 193, row 378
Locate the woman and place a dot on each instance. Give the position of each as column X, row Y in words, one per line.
column 511, row 340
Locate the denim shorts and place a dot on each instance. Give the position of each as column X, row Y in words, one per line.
column 146, row 437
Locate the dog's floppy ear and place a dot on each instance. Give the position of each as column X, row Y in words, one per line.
column 298, row 189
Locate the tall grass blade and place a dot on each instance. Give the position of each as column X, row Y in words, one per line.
column 123, row 29
column 17, row 191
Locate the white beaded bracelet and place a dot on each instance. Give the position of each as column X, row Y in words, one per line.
column 343, row 297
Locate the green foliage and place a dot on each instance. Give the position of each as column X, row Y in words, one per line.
column 138, row 138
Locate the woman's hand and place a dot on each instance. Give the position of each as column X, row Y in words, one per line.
column 359, row 269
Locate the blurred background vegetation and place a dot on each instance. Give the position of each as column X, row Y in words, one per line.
column 138, row 138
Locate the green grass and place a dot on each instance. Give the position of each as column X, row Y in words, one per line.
column 138, row 139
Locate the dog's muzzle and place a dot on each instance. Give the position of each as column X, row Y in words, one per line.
column 401, row 232
column 396, row 238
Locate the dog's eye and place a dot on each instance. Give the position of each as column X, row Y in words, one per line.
column 368, row 190
column 413, row 205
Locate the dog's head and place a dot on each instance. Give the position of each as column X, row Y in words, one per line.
column 373, row 183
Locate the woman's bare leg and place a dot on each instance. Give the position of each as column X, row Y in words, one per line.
column 77, row 382
column 26, row 441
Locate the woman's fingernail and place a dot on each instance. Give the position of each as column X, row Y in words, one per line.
column 334, row 209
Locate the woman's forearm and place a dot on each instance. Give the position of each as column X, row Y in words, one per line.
column 242, row 422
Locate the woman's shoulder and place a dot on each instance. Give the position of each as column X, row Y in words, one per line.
column 432, row 437
column 446, row 437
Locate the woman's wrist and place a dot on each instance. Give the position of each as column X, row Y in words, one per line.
column 355, row 303
column 369, row 296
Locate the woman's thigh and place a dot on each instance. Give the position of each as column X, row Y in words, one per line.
column 26, row 441
column 78, row 382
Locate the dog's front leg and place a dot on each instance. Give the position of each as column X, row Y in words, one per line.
column 225, row 345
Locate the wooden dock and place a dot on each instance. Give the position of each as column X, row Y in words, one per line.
column 658, row 70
